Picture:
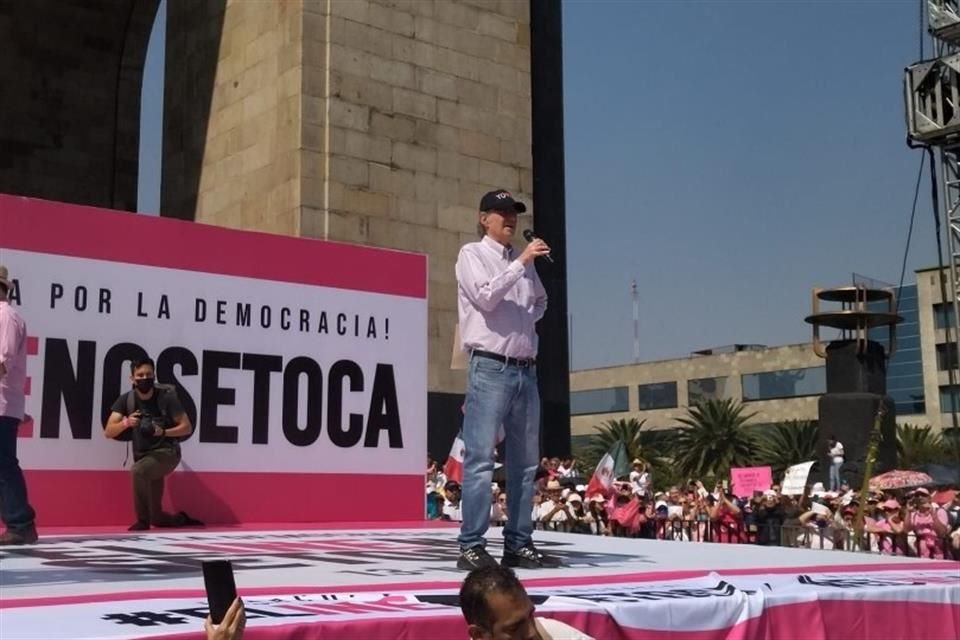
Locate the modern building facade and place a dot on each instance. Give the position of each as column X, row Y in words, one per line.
column 938, row 346
column 777, row 383
column 783, row 382
column 905, row 366
column 918, row 373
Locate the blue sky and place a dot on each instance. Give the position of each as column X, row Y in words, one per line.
column 151, row 116
column 729, row 155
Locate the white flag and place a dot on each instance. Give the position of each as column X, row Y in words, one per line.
column 795, row 479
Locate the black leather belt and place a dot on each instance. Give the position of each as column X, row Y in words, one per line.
column 517, row 362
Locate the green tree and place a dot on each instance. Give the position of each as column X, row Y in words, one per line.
column 786, row 444
column 639, row 443
column 951, row 446
column 713, row 439
column 918, row 446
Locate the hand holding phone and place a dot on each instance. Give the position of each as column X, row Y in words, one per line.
column 220, row 586
column 232, row 626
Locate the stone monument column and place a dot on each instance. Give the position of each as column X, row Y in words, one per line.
column 377, row 122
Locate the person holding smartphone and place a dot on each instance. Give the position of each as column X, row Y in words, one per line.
column 232, row 625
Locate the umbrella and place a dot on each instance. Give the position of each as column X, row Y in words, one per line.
column 899, row 479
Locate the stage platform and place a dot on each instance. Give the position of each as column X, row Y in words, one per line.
column 401, row 582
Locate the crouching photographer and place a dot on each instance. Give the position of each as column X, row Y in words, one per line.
column 156, row 421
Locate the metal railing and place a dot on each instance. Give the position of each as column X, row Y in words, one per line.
column 798, row 536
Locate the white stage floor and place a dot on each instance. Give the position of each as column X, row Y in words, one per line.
column 117, row 585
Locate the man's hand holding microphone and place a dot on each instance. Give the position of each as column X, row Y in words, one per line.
column 535, row 249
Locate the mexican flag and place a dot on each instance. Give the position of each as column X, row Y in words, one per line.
column 453, row 467
column 613, row 463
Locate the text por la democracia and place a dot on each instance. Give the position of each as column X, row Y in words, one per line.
column 223, row 312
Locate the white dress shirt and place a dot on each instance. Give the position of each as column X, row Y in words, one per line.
column 499, row 300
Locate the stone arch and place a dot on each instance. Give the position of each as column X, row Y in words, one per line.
column 71, row 74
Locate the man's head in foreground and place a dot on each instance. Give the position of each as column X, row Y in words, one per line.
column 496, row 606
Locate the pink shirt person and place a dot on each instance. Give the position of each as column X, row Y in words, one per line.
column 13, row 361
column 15, row 510
column 890, row 528
column 929, row 523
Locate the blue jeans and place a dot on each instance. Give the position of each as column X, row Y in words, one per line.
column 835, row 475
column 16, row 512
column 497, row 394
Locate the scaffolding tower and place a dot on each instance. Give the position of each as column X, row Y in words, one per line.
column 932, row 97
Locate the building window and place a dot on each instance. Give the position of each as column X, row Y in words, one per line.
column 946, row 405
column 702, row 389
column 789, row 383
column 612, row 400
column 946, row 356
column 943, row 315
column 909, row 343
column 909, row 402
column 905, row 367
column 659, row 395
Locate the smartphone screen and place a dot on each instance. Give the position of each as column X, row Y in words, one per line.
column 221, row 589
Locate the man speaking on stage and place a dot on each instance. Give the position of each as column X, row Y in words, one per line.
column 500, row 300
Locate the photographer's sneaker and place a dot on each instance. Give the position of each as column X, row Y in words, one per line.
column 475, row 558
column 528, row 558
column 179, row 519
column 26, row 536
column 187, row 521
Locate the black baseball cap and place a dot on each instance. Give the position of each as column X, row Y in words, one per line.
column 501, row 200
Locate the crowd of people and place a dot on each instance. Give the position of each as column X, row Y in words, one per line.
column 912, row 522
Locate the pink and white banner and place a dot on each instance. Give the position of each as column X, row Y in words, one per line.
column 891, row 604
column 403, row 583
column 301, row 363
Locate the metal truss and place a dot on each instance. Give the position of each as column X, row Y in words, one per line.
column 944, row 20
column 950, row 178
column 932, row 101
column 932, row 96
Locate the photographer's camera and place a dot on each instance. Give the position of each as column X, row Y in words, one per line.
column 146, row 426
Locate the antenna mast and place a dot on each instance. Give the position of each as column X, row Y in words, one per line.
column 636, row 322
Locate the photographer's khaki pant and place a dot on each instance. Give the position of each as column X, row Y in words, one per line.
column 148, row 473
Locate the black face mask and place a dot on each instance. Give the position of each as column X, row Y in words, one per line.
column 144, row 385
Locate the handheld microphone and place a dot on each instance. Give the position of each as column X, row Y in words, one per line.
column 529, row 237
